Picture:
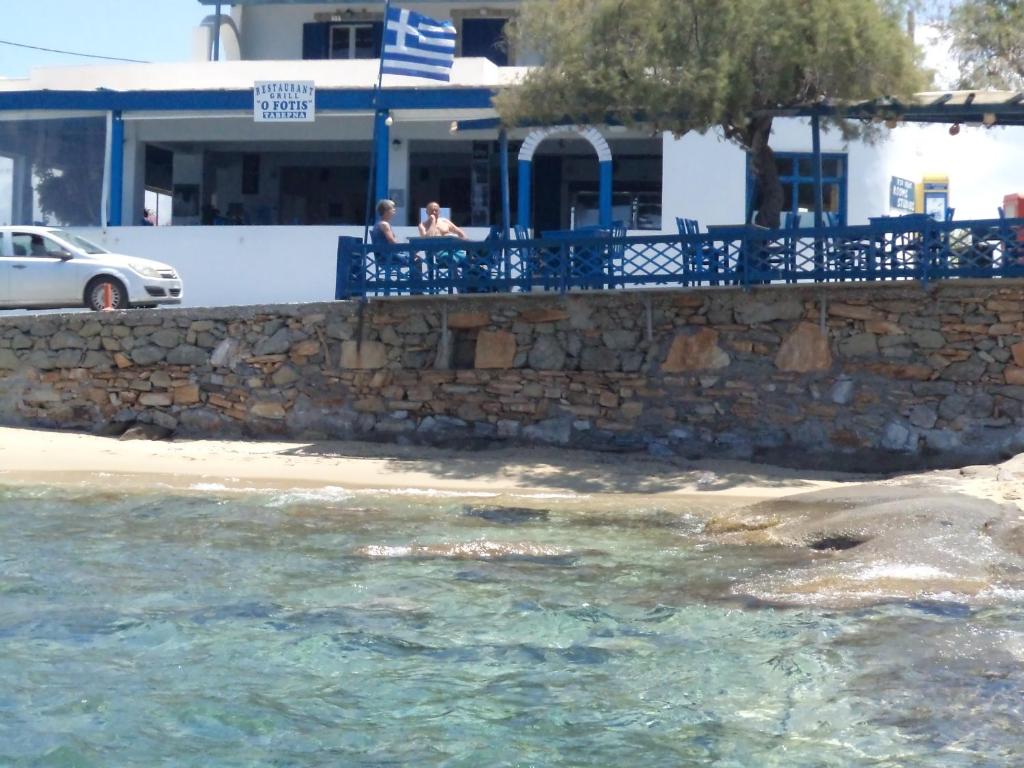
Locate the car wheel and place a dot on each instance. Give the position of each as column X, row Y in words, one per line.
column 94, row 293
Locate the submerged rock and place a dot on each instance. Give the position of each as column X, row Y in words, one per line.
column 506, row 515
column 875, row 542
column 474, row 550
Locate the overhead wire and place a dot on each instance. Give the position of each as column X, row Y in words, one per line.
column 70, row 53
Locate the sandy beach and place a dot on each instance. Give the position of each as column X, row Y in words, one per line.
column 56, row 457
column 28, row 455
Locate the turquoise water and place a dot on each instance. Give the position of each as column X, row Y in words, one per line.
column 308, row 629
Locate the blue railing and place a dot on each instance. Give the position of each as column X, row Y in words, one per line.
column 899, row 248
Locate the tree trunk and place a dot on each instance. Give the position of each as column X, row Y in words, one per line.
column 762, row 160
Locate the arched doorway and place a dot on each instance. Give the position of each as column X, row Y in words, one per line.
column 604, row 157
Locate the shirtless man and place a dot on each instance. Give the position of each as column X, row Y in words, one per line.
column 436, row 225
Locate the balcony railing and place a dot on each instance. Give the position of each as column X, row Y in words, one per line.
column 911, row 247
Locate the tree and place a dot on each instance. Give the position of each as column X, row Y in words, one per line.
column 691, row 65
column 987, row 37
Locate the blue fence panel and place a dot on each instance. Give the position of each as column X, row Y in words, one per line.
column 912, row 247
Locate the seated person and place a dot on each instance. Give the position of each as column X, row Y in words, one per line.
column 435, row 225
column 382, row 231
column 383, row 234
column 38, row 247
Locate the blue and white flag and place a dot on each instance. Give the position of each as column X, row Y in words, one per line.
column 417, row 46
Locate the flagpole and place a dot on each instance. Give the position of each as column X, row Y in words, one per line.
column 371, row 178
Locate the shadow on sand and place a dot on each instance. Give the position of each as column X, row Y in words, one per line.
column 576, row 471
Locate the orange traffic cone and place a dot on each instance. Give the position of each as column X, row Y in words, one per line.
column 108, row 298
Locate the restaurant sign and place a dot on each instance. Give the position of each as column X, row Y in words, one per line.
column 901, row 194
column 288, row 101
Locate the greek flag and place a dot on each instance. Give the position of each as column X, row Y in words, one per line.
column 417, row 46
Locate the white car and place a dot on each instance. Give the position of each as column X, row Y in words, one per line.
column 46, row 268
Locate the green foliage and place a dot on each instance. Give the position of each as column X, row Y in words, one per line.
column 684, row 65
column 988, row 41
column 690, row 65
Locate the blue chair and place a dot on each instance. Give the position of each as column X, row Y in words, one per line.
column 844, row 256
column 391, row 263
column 444, row 259
column 616, row 254
column 592, row 260
column 350, row 279
column 1012, row 242
column 526, row 260
column 701, row 261
column 482, row 264
column 765, row 256
column 939, row 242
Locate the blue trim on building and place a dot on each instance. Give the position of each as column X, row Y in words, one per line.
column 605, row 194
column 525, row 179
column 241, row 100
column 816, row 167
column 381, row 142
column 116, row 170
column 506, row 206
column 479, row 124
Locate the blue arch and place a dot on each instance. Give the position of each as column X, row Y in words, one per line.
column 604, row 157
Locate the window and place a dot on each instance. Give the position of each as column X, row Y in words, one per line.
column 51, row 171
column 354, row 41
column 26, row 244
column 485, row 38
column 796, row 174
column 345, row 40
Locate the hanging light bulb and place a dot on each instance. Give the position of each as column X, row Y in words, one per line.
column 954, row 129
column 389, row 121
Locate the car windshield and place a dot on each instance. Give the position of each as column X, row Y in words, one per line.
column 79, row 242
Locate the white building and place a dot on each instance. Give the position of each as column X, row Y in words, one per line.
column 92, row 146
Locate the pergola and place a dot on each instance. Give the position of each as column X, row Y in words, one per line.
column 955, row 108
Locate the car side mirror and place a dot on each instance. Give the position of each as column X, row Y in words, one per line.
column 66, row 255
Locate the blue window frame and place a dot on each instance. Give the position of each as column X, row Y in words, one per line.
column 346, row 40
column 796, row 174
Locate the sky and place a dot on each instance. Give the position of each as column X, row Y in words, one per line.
column 149, row 30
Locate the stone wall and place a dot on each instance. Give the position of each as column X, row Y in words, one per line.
column 839, row 374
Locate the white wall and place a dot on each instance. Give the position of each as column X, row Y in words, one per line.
column 224, row 266
column 6, row 189
column 705, row 176
column 275, row 31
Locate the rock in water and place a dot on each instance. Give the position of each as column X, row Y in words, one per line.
column 506, row 515
column 475, row 550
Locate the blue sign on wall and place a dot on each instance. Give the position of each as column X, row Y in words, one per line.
column 901, row 194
